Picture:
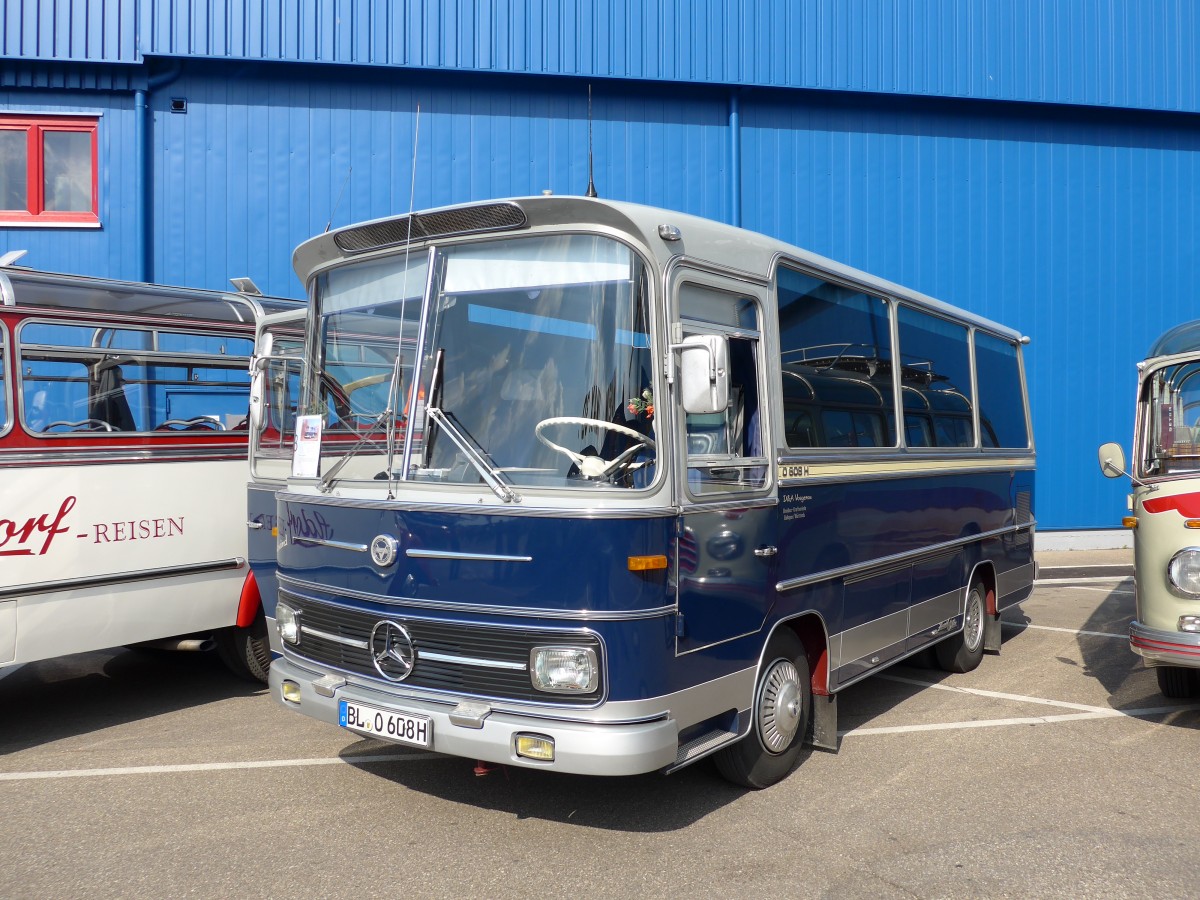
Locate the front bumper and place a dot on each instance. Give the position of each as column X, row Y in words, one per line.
column 581, row 747
column 1176, row 648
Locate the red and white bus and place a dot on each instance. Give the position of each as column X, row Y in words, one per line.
column 123, row 441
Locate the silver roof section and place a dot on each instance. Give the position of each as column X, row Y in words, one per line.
column 1183, row 338
column 723, row 245
column 34, row 289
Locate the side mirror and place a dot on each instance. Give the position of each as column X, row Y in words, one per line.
column 704, row 374
column 1112, row 460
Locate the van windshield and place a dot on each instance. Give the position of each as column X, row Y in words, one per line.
column 535, row 368
column 1171, row 418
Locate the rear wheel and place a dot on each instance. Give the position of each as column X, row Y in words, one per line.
column 963, row 652
column 782, row 707
column 246, row 651
column 1177, row 682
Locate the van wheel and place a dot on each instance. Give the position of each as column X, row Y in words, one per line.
column 963, row 652
column 781, row 712
column 1177, row 682
column 246, row 651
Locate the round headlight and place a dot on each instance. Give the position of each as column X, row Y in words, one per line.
column 1183, row 571
column 287, row 620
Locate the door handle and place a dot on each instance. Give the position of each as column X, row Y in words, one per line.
column 766, row 551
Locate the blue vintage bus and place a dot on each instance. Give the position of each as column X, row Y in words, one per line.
column 601, row 488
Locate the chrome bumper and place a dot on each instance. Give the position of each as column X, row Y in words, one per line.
column 1176, row 648
column 580, row 747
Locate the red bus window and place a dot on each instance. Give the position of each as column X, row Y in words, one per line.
column 48, row 171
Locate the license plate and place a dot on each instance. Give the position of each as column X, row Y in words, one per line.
column 391, row 726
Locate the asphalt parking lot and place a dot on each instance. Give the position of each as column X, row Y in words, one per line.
column 1055, row 769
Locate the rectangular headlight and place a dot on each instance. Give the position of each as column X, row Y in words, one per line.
column 287, row 620
column 564, row 670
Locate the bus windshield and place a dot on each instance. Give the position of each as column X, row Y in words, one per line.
column 1171, row 418
column 535, row 368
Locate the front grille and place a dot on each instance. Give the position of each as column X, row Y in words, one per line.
column 470, row 641
column 423, row 226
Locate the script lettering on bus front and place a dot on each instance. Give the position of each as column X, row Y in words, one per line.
column 794, row 506
column 308, row 525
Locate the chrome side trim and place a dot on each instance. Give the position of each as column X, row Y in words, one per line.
column 884, row 474
column 72, row 584
column 336, row 545
column 464, row 509
column 52, row 455
column 790, row 584
column 319, row 593
column 479, row 557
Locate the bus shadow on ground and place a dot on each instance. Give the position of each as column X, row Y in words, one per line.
column 75, row 695
column 651, row 803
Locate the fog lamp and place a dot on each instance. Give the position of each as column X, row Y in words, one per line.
column 291, row 691
column 535, row 746
column 287, row 620
column 564, row 670
column 1183, row 571
column 1190, row 624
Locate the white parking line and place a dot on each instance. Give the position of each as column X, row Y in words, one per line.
column 1023, row 625
column 1083, row 579
column 1085, row 711
column 1084, row 587
column 212, row 767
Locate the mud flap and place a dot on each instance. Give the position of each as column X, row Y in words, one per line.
column 823, row 733
column 991, row 634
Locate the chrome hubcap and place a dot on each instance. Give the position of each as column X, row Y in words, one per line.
column 973, row 623
column 780, row 706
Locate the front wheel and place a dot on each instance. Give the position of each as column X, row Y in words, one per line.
column 246, row 651
column 781, row 712
column 964, row 651
column 1177, row 682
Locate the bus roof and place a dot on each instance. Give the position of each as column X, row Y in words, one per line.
column 34, row 289
column 724, row 245
column 1180, row 339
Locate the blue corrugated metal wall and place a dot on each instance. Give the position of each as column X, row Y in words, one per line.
column 1138, row 53
column 1134, row 53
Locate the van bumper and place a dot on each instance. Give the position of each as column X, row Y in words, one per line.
column 1175, row 648
column 581, row 746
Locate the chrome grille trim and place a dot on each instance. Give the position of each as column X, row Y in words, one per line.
column 425, row 226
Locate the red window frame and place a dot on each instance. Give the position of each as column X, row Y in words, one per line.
column 35, row 128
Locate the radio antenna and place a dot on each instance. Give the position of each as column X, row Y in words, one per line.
column 591, row 188
column 333, row 212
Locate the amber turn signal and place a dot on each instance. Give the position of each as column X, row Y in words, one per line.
column 646, row 563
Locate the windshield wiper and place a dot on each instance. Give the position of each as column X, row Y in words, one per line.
column 476, row 456
column 326, row 483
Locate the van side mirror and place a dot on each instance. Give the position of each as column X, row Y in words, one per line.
column 704, row 374
column 1112, row 460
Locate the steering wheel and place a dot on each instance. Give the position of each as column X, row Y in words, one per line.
column 593, row 467
column 85, row 424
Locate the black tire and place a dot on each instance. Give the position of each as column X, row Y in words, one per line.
column 246, row 651
column 1177, row 682
column 781, row 713
column 964, row 651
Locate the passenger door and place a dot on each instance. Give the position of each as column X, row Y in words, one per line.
column 727, row 541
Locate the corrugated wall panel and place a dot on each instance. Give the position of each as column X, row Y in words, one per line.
column 78, row 30
column 1080, row 230
column 257, row 164
column 1118, row 53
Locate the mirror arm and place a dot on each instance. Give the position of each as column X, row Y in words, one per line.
column 1113, row 467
